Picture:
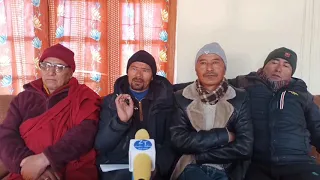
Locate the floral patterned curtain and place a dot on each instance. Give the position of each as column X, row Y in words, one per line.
column 145, row 25
column 103, row 35
column 81, row 26
column 22, row 39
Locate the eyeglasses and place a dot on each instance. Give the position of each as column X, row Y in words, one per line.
column 45, row 66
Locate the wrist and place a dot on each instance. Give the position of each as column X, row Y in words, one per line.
column 44, row 159
column 124, row 120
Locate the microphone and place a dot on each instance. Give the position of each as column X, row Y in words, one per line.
column 142, row 134
column 142, row 155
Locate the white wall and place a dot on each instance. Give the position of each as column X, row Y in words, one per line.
column 248, row 30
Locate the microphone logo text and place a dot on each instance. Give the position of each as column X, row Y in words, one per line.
column 142, row 145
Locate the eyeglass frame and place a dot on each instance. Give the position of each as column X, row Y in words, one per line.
column 45, row 66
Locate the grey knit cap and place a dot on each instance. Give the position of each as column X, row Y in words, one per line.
column 212, row 48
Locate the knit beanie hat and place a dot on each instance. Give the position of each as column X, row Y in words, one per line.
column 283, row 53
column 60, row 52
column 212, row 48
column 145, row 57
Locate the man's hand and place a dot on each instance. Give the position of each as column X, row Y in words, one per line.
column 232, row 137
column 33, row 166
column 124, row 106
column 49, row 174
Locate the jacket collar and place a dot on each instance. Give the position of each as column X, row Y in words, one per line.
column 160, row 91
column 121, row 86
column 195, row 110
column 295, row 82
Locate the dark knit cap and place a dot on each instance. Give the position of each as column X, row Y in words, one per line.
column 60, row 52
column 283, row 53
column 145, row 57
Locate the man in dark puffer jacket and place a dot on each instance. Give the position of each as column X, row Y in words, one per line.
column 150, row 107
column 285, row 119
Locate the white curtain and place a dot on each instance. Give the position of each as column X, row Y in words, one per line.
column 309, row 64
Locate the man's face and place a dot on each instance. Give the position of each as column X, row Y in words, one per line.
column 140, row 76
column 55, row 73
column 278, row 70
column 210, row 70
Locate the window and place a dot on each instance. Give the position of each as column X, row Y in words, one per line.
column 102, row 34
column 16, row 45
column 143, row 27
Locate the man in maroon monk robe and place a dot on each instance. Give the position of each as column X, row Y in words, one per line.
column 49, row 130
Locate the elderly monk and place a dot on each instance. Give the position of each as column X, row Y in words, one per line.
column 50, row 127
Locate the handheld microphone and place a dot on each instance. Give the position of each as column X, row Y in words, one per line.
column 142, row 155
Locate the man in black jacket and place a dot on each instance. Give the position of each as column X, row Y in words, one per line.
column 212, row 127
column 149, row 105
column 285, row 120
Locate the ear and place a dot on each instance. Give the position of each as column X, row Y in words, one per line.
column 70, row 74
column 225, row 71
